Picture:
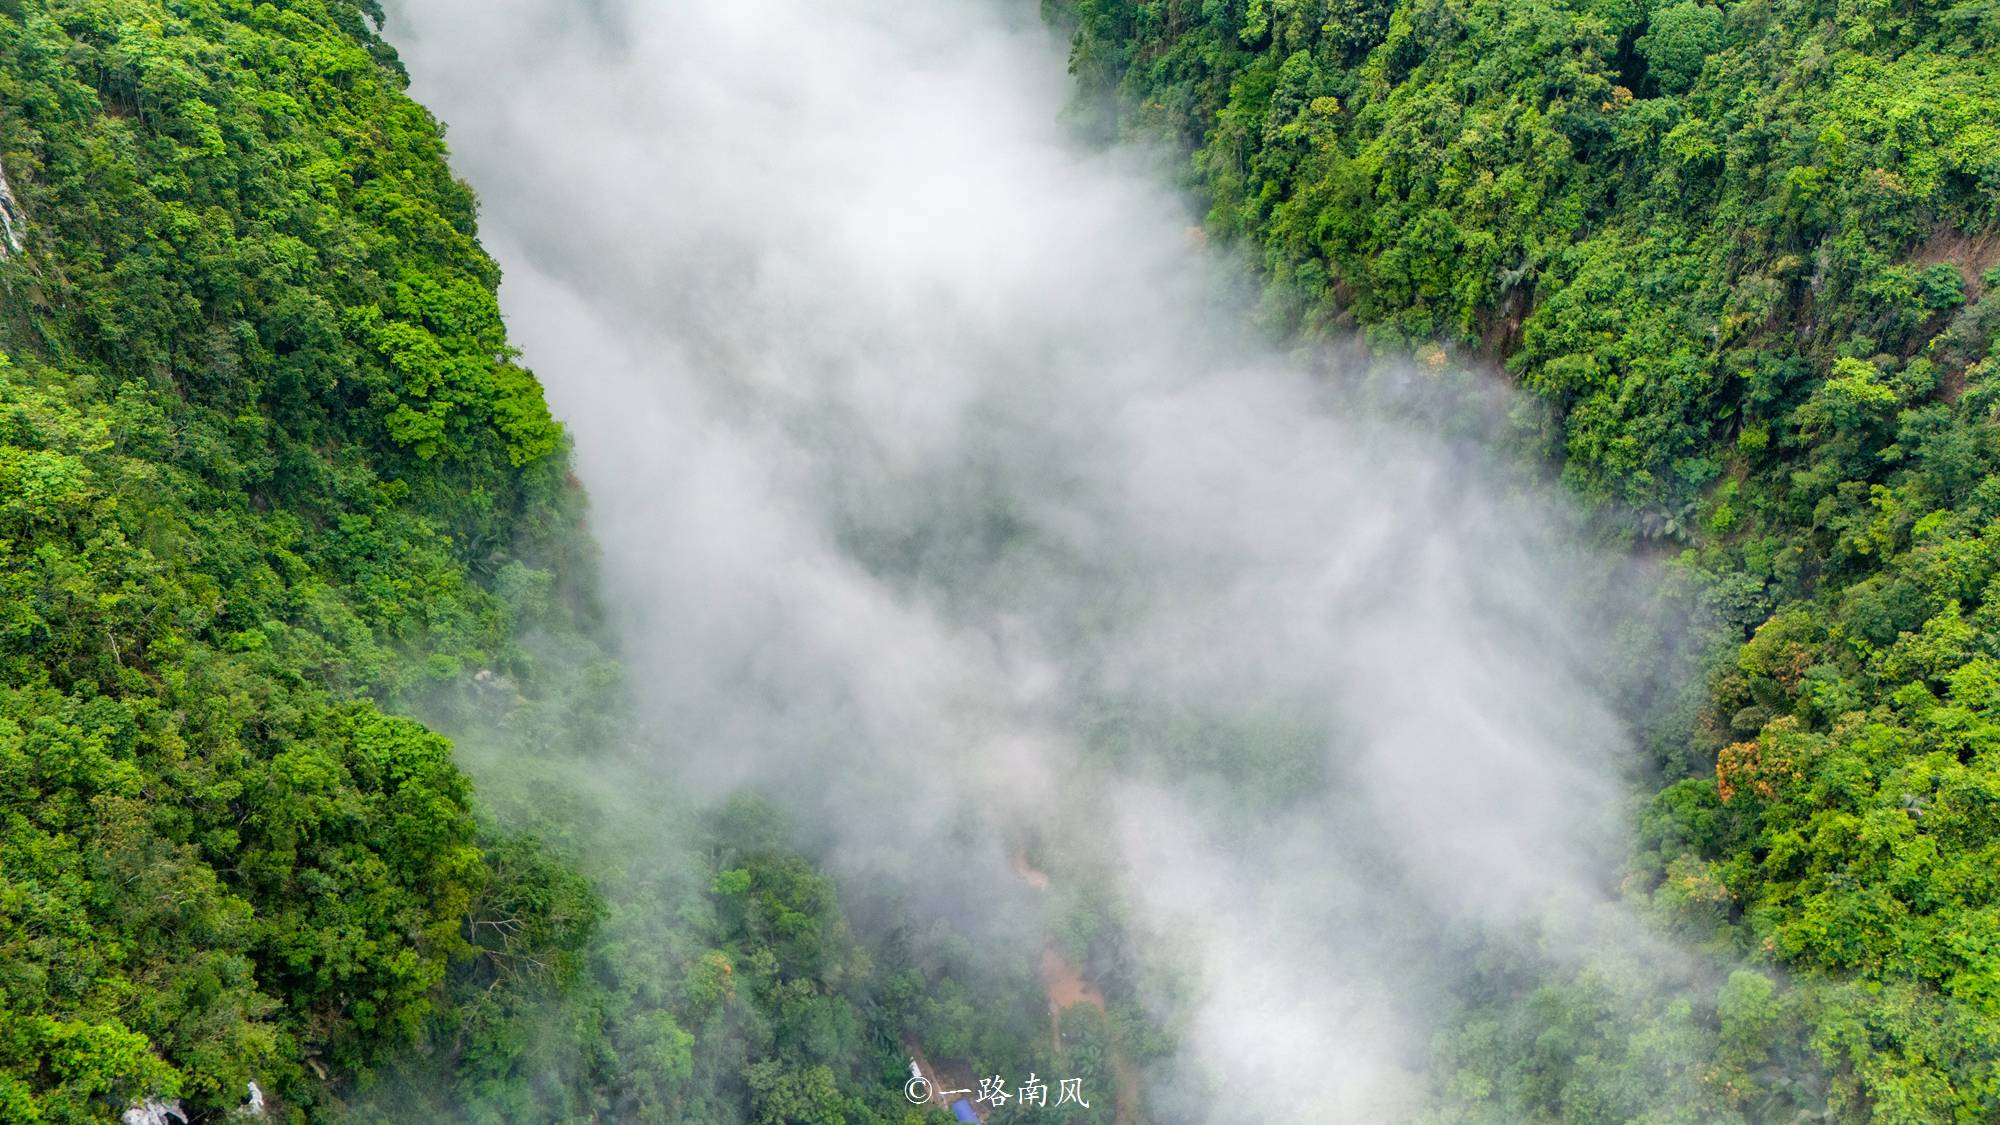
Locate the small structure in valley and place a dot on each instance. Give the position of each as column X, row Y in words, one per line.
column 154, row 1111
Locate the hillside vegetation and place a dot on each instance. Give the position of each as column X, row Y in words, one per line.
column 1747, row 257
column 271, row 484
column 268, row 477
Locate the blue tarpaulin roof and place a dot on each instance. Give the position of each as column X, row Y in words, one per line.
column 963, row 1109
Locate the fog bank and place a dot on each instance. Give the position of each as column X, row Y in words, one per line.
column 942, row 497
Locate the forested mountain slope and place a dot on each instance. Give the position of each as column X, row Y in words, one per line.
column 267, row 475
column 1748, row 257
column 271, row 486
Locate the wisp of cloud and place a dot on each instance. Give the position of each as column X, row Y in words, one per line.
column 939, row 486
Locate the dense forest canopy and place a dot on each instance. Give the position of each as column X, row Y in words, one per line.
column 1748, row 256
column 266, row 462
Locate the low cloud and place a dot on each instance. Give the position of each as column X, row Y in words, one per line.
column 941, row 490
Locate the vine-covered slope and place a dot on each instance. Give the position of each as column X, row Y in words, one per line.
column 1749, row 258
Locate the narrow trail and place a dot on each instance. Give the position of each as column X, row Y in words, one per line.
column 1065, row 985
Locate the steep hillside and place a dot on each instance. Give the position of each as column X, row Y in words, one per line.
column 1746, row 256
column 273, row 489
column 268, row 476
